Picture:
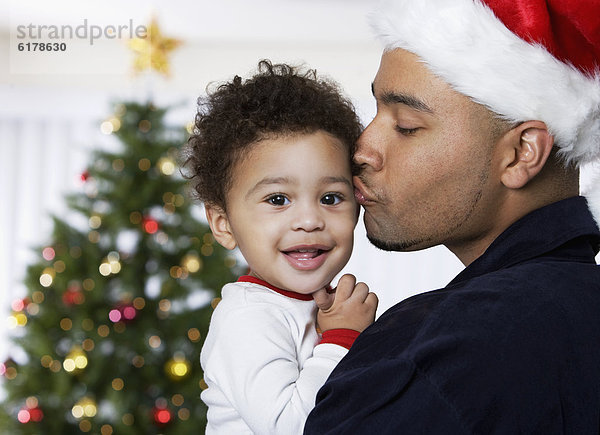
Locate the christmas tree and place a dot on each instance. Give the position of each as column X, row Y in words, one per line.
column 118, row 307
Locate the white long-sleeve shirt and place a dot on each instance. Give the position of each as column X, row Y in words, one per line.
column 262, row 360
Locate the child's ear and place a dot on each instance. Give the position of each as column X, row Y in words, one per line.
column 219, row 225
column 525, row 153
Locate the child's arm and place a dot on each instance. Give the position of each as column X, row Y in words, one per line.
column 251, row 364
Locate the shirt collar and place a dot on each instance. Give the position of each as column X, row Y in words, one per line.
column 287, row 293
column 535, row 234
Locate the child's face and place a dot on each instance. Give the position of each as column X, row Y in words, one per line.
column 291, row 211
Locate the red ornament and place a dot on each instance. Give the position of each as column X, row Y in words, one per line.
column 36, row 414
column 27, row 414
column 73, row 296
column 150, row 225
column 49, row 253
column 129, row 312
column 84, row 176
column 162, row 416
column 122, row 313
column 20, row 304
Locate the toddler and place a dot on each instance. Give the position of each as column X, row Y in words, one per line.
column 271, row 159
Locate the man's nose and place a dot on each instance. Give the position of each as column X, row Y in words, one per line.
column 368, row 147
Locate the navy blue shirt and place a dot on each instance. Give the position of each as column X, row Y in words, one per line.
column 511, row 345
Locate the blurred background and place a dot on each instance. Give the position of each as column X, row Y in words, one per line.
column 58, row 110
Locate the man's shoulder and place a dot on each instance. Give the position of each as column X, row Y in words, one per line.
column 486, row 314
column 491, row 344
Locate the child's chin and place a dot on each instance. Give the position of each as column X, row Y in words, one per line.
column 309, row 290
column 303, row 291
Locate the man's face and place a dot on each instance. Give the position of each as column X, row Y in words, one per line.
column 427, row 162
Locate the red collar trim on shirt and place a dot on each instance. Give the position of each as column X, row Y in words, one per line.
column 289, row 294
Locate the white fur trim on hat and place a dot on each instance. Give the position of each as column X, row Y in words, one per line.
column 592, row 195
column 465, row 44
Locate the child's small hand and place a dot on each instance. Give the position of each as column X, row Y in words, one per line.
column 351, row 306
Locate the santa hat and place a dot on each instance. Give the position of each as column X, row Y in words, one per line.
column 592, row 196
column 523, row 59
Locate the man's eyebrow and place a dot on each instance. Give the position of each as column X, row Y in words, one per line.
column 265, row 182
column 388, row 98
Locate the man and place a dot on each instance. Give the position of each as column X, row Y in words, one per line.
column 485, row 111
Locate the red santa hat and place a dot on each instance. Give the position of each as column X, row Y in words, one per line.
column 523, row 59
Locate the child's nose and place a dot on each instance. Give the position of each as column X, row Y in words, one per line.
column 308, row 218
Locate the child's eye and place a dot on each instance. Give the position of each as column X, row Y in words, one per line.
column 278, row 200
column 331, row 199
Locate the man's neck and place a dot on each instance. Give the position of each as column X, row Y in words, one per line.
column 510, row 211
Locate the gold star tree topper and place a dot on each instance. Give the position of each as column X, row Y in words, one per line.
column 152, row 52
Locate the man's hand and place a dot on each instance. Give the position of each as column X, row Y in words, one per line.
column 350, row 306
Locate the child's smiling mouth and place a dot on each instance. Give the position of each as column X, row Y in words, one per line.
column 306, row 257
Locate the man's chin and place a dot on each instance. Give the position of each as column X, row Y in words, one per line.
column 386, row 245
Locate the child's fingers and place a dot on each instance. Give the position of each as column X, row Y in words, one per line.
column 345, row 287
column 372, row 300
column 323, row 299
column 360, row 292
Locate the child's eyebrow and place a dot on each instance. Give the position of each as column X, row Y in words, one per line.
column 286, row 180
column 333, row 180
column 267, row 181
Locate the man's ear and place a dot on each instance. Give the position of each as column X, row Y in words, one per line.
column 219, row 225
column 525, row 150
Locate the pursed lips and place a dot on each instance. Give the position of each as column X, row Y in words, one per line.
column 360, row 193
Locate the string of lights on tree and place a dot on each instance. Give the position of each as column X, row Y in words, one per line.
column 119, row 303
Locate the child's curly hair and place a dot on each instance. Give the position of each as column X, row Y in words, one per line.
column 278, row 100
